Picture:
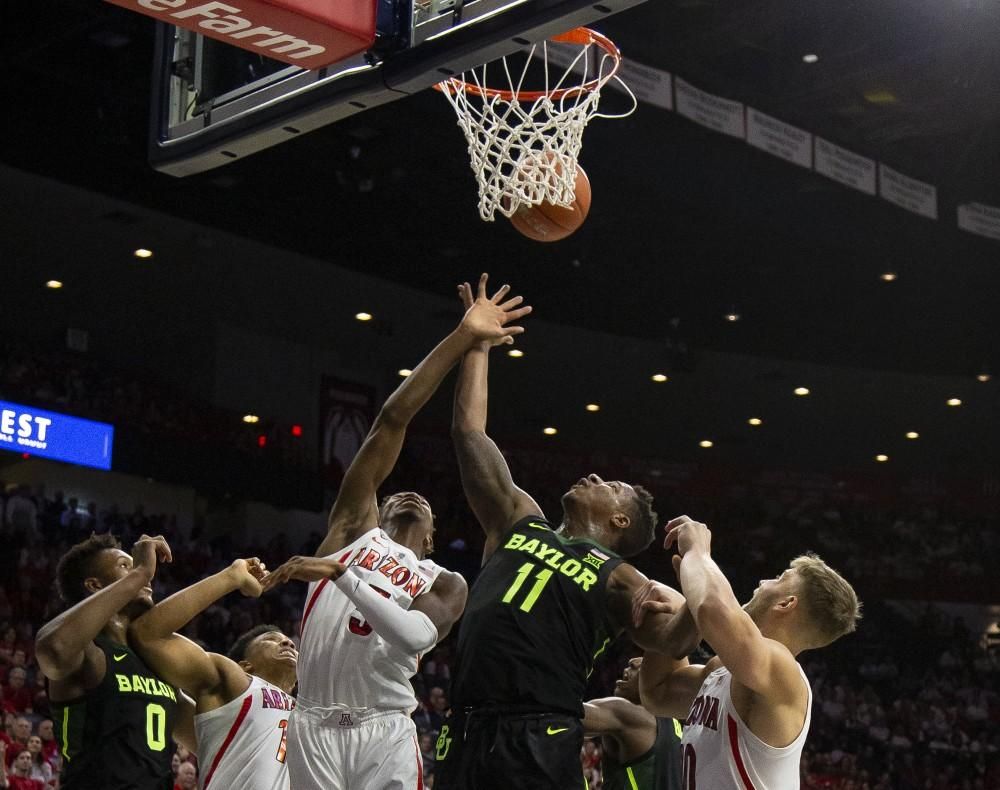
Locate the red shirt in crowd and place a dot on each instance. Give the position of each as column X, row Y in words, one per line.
column 20, row 783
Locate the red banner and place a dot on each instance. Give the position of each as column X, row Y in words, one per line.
column 306, row 33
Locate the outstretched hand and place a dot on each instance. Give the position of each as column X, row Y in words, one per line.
column 147, row 551
column 306, row 569
column 487, row 318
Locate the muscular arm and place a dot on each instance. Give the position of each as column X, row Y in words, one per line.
column 212, row 680
column 489, row 488
column 668, row 688
column 66, row 643
column 356, row 511
column 669, row 630
column 63, row 642
column 631, row 726
column 761, row 664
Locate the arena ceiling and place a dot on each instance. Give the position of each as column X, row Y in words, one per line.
column 687, row 225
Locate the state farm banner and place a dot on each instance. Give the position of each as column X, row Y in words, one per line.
column 346, row 411
column 980, row 219
column 306, row 33
column 916, row 196
column 845, row 166
column 49, row 434
column 779, row 138
column 718, row 114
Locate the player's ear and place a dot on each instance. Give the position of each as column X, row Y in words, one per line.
column 92, row 584
column 621, row 521
column 788, row 604
column 246, row 666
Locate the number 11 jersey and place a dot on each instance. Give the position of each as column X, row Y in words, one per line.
column 535, row 622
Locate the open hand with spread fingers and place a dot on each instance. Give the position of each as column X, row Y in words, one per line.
column 488, row 318
column 306, row 569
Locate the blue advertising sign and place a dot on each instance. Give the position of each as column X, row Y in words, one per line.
column 48, row 434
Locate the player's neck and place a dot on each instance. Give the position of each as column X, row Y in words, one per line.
column 116, row 629
column 283, row 680
column 785, row 635
column 409, row 538
column 574, row 528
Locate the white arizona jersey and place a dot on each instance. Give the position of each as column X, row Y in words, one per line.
column 342, row 661
column 242, row 744
column 720, row 753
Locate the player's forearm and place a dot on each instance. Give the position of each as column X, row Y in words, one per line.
column 676, row 638
column 706, row 589
column 179, row 609
column 64, row 638
column 471, row 392
column 422, row 383
column 409, row 630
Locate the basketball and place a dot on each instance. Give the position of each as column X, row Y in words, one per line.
column 548, row 222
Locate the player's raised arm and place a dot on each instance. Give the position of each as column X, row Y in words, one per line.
column 489, row 488
column 668, row 687
column 763, row 665
column 356, row 510
column 178, row 660
column 63, row 644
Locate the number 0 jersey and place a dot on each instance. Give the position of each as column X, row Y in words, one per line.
column 534, row 623
column 117, row 736
column 718, row 750
column 242, row 743
column 342, row 661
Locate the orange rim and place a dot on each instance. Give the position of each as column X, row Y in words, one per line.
column 583, row 36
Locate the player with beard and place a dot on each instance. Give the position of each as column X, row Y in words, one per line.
column 641, row 751
column 747, row 710
column 114, row 717
column 244, row 699
column 548, row 601
column 362, row 635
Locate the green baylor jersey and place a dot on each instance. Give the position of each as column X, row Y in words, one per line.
column 534, row 623
column 117, row 735
column 657, row 769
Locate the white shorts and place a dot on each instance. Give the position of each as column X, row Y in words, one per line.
column 345, row 750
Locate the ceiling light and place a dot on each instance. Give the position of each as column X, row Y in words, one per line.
column 755, row 421
column 881, row 458
column 659, row 378
column 53, row 284
column 404, row 372
column 250, row 418
column 983, row 377
column 732, row 317
column 801, row 391
column 888, row 277
column 706, row 443
column 363, row 316
column 142, row 252
column 549, row 431
column 810, row 58
column 912, row 435
column 593, row 407
column 880, row 96
column 516, row 353
column 954, row 401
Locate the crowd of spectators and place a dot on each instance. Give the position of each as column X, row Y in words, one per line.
column 904, row 704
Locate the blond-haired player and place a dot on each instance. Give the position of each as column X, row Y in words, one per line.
column 747, row 709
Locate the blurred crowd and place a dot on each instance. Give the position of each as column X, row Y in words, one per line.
column 907, row 703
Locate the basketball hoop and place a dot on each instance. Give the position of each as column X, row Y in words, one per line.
column 524, row 144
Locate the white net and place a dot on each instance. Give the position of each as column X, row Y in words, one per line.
column 524, row 145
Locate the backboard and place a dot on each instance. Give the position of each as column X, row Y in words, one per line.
column 214, row 103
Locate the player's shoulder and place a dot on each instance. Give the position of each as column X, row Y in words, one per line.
column 449, row 583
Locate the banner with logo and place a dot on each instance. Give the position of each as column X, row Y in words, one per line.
column 346, row 412
column 48, row 434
